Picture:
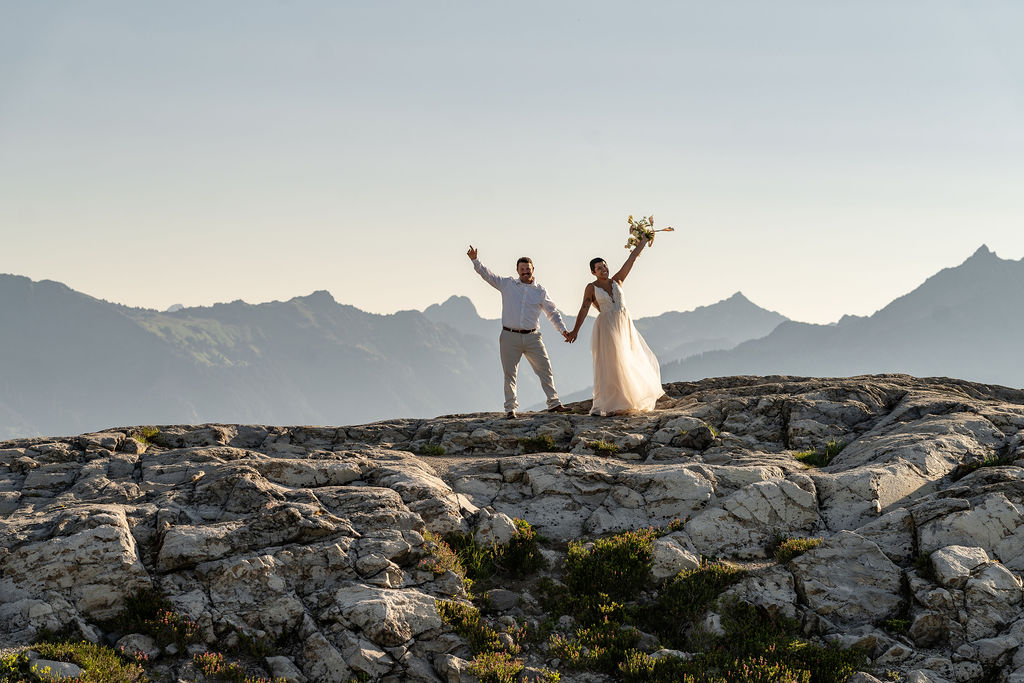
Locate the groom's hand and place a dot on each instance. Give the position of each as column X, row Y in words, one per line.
column 570, row 337
column 471, row 253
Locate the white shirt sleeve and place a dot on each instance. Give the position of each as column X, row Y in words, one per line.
column 489, row 277
column 551, row 311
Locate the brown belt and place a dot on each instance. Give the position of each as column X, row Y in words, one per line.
column 509, row 329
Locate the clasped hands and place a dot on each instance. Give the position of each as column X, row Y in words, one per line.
column 570, row 337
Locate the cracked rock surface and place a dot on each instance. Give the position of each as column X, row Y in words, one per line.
column 312, row 536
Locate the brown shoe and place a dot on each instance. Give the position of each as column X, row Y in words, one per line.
column 510, row 415
column 558, row 409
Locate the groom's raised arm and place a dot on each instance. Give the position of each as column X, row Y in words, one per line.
column 485, row 272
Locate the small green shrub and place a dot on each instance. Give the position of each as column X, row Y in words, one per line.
column 150, row 613
column 820, row 458
column 147, row 435
column 686, row 597
column 100, row 664
column 538, row 444
column 440, row 556
column 496, row 667
column 545, row 675
column 617, row 567
column 794, row 547
column 521, row 557
column 468, row 623
column 602, row 447
column 899, row 626
column 216, row 668
column 600, row 646
column 676, row 524
column 435, row 449
column 752, row 632
column 518, row 558
column 923, row 565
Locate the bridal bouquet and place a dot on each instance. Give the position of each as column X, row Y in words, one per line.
column 639, row 229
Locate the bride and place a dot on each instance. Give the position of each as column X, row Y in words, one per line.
column 627, row 377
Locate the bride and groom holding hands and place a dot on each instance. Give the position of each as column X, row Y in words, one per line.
column 627, row 377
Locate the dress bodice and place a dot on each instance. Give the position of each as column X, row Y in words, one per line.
column 608, row 303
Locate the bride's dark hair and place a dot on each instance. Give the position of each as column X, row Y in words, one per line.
column 594, row 262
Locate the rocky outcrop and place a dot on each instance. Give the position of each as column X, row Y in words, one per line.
column 313, row 536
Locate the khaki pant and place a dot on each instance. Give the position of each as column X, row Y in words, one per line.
column 513, row 347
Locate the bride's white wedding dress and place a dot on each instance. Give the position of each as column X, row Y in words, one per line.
column 627, row 377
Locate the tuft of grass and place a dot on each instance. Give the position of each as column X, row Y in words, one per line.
column 538, row 444
column 964, row 469
column 602, row 447
column 434, row 449
column 820, row 457
column 794, row 547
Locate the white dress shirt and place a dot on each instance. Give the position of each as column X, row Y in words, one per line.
column 521, row 303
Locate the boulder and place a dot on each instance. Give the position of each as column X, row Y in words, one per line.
column 848, row 580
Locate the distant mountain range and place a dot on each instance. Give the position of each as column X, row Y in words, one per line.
column 70, row 363
column 965, row 322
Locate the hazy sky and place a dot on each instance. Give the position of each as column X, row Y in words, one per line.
column 822, row 157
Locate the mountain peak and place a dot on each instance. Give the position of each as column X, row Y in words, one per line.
column 983, row 253
column 320, row 296
column 454, row 304
column 738, row 298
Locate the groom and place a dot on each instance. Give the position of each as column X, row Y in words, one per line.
column 521, row 302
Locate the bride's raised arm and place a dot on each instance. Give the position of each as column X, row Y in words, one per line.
column 588, row 299
column 628, row 265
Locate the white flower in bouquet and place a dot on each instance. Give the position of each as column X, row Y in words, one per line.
column 639, row 229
